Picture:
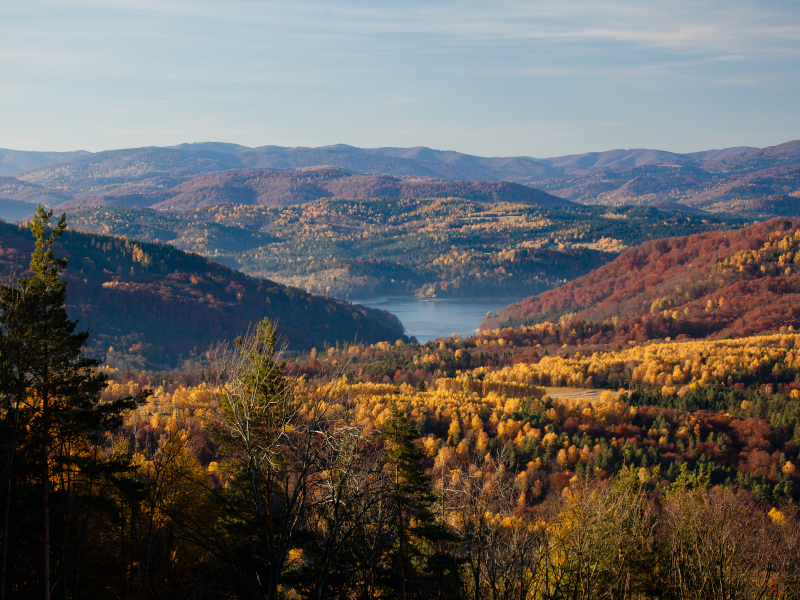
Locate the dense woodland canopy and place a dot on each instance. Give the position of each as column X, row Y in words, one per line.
column 491, row 487
column 445, row 247
column 458, row 468
column 727, row 283
column 633, row 434
column 150, row 305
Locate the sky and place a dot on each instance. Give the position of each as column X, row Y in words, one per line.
column 536, row 78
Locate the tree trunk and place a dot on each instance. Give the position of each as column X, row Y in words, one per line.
column 401, row 558
column 6, row 513
column 45, row 476
column 12, row 450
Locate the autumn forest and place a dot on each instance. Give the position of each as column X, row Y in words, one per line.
column 637, row 438
column 423, row 300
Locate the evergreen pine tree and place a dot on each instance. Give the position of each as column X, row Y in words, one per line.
column 52, row 412
column 418, row 555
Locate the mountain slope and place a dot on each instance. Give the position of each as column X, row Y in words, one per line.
column 153, row 306
column 428, row 246
column 15, row 161
column 32, row 193
column 143, row 169
column 614, row 177
column 709, row 284
column 737, row 191
column 732, row 180
column 360, row 161
column 267, row 187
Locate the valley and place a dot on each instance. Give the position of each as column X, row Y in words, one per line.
column 151, row 306
column 426, row 319
column 651, row 363
column 456, row 300
column 426, row 247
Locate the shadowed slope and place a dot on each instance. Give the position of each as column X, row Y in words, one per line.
column 152, row 306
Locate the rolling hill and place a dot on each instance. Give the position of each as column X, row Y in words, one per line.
column 273, row 188
column 16, row 190
column 14, row 161
column 738, row 180
column 736, row 283
column 152, row 306
column 361, row 248
column 711, row 180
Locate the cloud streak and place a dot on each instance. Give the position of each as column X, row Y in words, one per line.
column 720, row 26
column 509, row 73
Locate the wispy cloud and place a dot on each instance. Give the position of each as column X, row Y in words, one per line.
column 469, row 71
column 678, row 25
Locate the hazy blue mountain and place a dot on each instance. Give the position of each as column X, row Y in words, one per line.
column 13, row 210
column 614, row 177
column 16, row 161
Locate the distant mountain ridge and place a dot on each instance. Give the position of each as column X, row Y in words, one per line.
column 400, row 162
column 616, row 177
column 15, row 161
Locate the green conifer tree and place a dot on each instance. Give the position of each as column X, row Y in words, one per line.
column 420, row 555
column 53, row 417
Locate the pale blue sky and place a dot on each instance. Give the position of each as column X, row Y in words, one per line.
column 538, row 78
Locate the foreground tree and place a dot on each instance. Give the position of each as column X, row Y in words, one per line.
column 503, row 551
column 720, row 544
column 601, row 541
column 278, row 450
column 52, row 420
column 420, row 563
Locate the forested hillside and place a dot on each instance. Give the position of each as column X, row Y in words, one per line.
column 16, row 190
column 150, row 305
column 468, row 475
column 262, row 187
column 432, row 247
column 458, row 468
column 712, row 284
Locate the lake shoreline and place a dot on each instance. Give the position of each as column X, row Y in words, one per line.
column 429, row 318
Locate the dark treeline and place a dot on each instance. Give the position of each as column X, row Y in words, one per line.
column 152, row 306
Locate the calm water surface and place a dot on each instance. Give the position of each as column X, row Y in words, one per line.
column 429, row 319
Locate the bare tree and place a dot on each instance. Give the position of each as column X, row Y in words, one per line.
column 277, row 441
column 349, row 520
column 503, row 550
column 599, row 539
column 719, row 544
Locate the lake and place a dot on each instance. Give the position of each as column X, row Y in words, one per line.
column 427, row 319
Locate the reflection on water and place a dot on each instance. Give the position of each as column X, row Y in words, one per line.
column 428, row 319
